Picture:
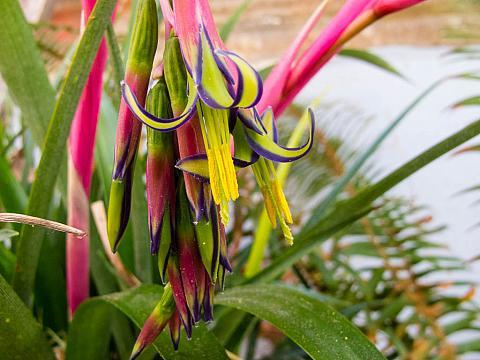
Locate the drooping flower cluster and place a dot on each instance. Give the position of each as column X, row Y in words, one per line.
column 206, row 117
column 201, row 126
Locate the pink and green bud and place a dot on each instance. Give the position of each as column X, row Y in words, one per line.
column 188, row 254
column 156, row 322
column 160, row 178
column 137, row 75
column 207, row 233
column 224, row 264
column 119, row 207
column 175, row 279
column 208, row 299
column 175, row 326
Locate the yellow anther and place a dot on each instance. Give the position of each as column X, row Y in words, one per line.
column 283, row 204
column 269, row 207
column 224, row 213
column 218, row 160
column 287, row 233
column 214, row 181
column 230, row 171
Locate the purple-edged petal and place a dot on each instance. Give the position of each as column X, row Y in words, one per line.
column 178, row 293
column 213, row 85
column 251, row 120
column 243, row 154
column 270, row 125
column 196, row 165
column 266, row 147
column 154, row 122
column 249, row 83
column 208, row 301
column 175, row 328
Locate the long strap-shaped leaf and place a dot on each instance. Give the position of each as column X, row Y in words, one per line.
column 21, row 336
column 22, row 69
column 345, row 212
column 21, row 66
column 88, row 327
column 362, row 159
column 54, row 146
column 316, row 327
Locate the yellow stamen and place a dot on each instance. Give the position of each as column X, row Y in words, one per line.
column 282, row 201
column 275, row 203
column 223, row 179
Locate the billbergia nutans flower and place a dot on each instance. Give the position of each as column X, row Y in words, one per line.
column 205, row 120
column 219, row 85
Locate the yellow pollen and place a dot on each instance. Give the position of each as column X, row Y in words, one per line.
column 282, row 201
column 223, row 179
column 275, row 202
column 269, row 207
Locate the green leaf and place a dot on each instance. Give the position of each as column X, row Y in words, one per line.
column 22, row 69
column 229, row 25
column 471, row 101
column 371, row 59
column 348, row 211
column 12, row 196
column 315, row 326
column 362, row 159
column 54, row 147
column 86, row 339
column 21, row 336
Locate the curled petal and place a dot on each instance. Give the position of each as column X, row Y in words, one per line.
column 249, row 84
column 243, row 154
column 154, row 122
column 269, row 124
column 213, row 84
column 266, row 147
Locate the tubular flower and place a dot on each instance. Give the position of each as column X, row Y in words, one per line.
column 137, row 74
column 162, row 315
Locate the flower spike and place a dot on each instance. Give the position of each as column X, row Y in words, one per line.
column 156, row 322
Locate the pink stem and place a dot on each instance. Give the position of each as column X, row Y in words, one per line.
column 274, row 84
column 81, row 146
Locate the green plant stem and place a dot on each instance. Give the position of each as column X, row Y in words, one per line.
column 54, row 147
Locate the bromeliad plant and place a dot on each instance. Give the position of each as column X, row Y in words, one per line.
column 209, row 120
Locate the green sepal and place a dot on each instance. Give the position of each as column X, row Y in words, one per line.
column 143, row 43
column 208, row 239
